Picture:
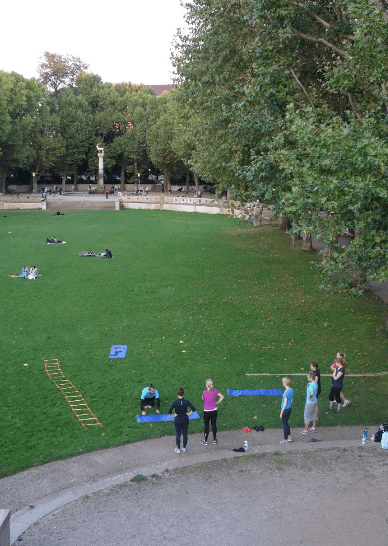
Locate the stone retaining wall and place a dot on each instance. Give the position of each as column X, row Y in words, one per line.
column 8, row 202
column 178, row 203
column 155, row 201
column 102, row 204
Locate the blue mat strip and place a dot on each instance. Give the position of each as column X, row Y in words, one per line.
column 162, row 417
column 257, row 392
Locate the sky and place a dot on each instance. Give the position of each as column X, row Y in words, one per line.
column 121, row 41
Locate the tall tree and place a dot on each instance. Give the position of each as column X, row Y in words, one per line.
column 160, row 139
column 60, row 71
column 20, row 100
column 46, row 141
column 77, row 129
column 271, row 82
column 122, row 122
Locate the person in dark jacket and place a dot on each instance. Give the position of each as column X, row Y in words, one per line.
column 181, row 418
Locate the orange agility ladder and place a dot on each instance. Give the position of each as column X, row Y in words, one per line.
column 74, row 398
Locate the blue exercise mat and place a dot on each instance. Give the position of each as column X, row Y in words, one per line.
column 162, row 417
column 118, row 351
column 257, row 392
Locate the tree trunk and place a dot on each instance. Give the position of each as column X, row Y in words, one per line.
column 187, row 183
column 122, row 177
column 37, row 175
column 3, row 178
column 294, row 238
column 167, row 182
column 75, row 172
column 326, row 253
column 307, row 243
column 64, row 177
column 196, row 181
column 136, row 174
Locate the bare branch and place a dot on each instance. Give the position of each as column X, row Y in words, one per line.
column 323, row 41
column 354, row 107
column 303, row 89
column 324, row 23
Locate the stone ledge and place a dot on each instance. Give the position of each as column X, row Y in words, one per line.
column 5, row 518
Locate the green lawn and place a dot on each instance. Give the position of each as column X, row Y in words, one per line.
column 192, row 296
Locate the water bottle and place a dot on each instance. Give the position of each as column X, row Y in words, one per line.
column 246, row 445
column 364, row 436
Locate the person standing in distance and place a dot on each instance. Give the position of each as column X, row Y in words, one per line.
column 181, row 419
column 337, row 385
column 310, row 408
column 340, row 361
column 147, row 400
column 285, row 409
column 210, row 410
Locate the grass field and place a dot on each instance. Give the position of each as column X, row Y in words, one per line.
column 192, row 296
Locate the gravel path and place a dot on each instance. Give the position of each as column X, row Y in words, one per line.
column 305, row 492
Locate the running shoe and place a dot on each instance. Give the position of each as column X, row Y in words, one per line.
column 204, row 442
column 346, row 403
column 215, row 441
column 177, row 450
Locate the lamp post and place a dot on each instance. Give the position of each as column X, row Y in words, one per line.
column 138, row 181
column 34, row 184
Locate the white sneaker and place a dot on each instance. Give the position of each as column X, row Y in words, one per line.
column 177, row 450
column 346, row 403
column 184, row 449
column 289, row 439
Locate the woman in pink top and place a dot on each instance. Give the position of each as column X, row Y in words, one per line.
column 210, row 410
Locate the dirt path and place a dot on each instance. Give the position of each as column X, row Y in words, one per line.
column 334, row 496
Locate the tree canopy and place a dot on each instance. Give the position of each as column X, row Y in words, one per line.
column 292, row 103
column 283, row 102
column 60, row 71
column 52, row 128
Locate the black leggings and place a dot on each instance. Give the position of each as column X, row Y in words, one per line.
column 181, row 429
column 149, row 402
column 207, row 417
column 286, row 427
column 335, row 394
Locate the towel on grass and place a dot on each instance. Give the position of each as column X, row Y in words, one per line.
column 118, row 351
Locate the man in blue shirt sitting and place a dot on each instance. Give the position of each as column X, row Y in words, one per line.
column 147, row 399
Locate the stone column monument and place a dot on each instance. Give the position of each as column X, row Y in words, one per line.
column 100, row 180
